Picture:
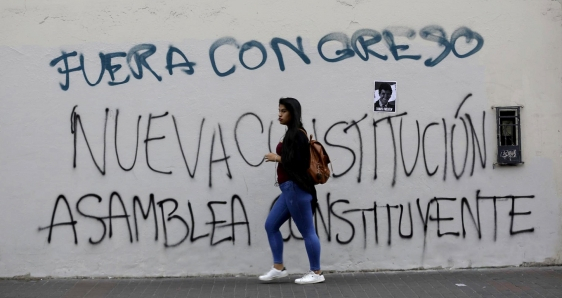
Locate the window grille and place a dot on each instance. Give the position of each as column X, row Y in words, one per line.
column 509, row 135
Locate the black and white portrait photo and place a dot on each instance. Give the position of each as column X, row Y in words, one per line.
column 385, row 96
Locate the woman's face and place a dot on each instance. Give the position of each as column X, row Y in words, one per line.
column 284, row 115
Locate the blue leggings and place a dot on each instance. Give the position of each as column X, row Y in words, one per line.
column 293, row 202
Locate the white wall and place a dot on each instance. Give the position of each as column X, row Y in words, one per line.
column 519, row 63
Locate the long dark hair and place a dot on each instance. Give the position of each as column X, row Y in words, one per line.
column 290, row 148
column 293, row 106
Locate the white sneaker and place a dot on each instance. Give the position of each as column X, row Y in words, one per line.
column 310, row 278
column 274, row 274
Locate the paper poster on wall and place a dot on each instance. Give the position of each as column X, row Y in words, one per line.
column 385, row 96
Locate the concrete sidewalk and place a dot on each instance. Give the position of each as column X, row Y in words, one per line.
column 504, row 282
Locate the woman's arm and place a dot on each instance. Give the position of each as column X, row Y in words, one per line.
column 272, row 157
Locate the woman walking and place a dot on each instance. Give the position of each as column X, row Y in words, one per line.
column 298, row 195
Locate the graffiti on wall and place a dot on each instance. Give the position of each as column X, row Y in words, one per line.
column 331, row 222
column 168, row 211
column 336, row 218
column 137, row 58
column 475, row 141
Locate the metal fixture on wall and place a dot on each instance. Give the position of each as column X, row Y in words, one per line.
column 508, row 123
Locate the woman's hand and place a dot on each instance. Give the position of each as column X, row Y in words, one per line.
column 272, row 157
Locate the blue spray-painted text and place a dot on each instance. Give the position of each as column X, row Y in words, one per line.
column 137, row 58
